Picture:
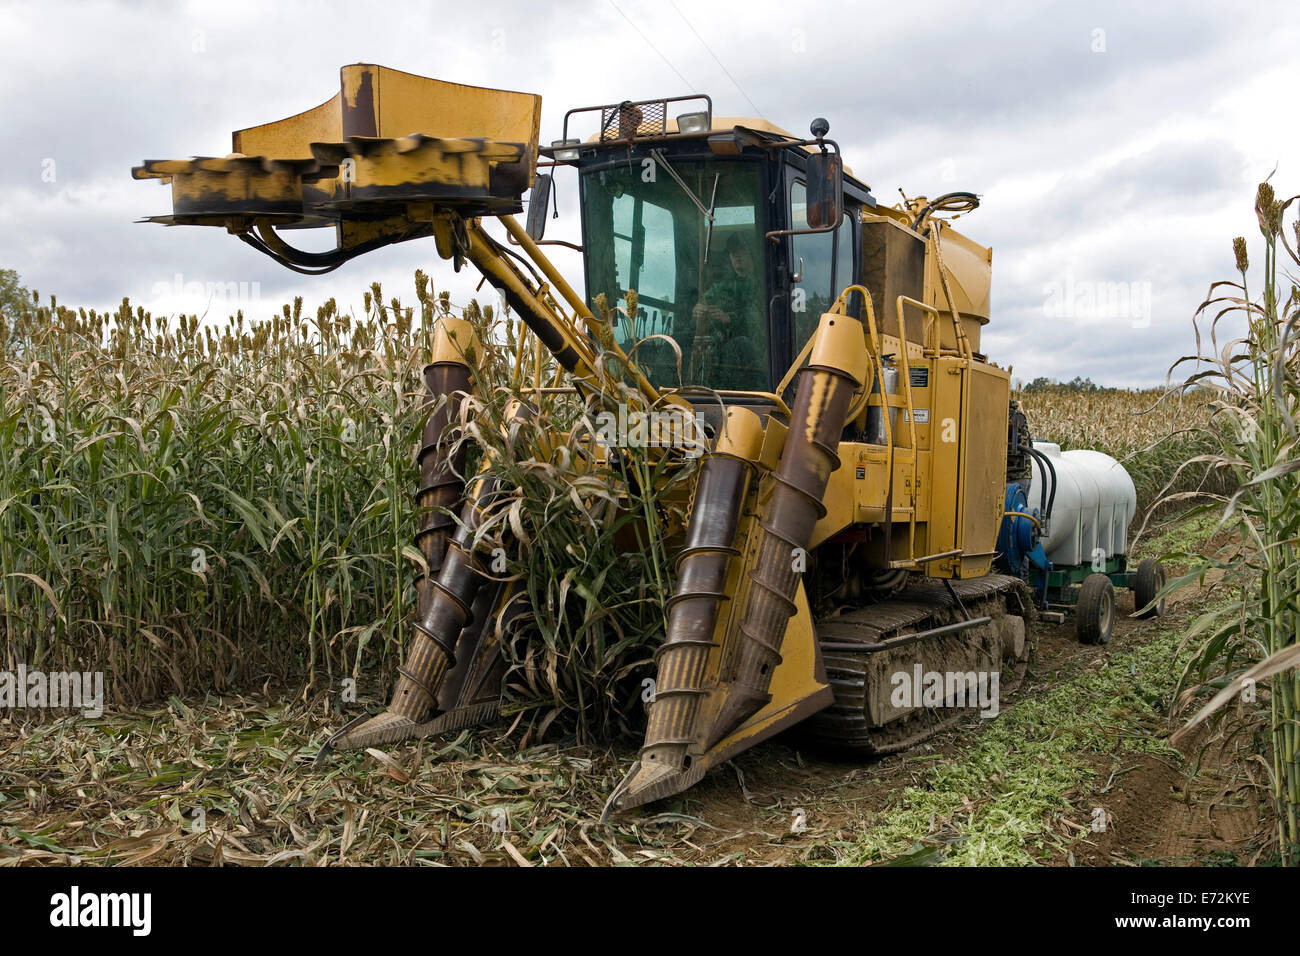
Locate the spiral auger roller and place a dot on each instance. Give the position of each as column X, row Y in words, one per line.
column 701, row 715
column 453, row 617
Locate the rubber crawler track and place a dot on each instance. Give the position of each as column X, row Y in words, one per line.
column 845, row 726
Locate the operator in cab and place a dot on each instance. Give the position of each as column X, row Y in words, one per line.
column 730, row 314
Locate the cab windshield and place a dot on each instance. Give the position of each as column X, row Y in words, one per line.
column 701, row 286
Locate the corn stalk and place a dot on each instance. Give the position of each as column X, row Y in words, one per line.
column 1256, row 383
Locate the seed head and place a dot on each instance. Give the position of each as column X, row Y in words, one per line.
column 631, row 305
column 1239, row 250
column 1264, row 208
column 1273, row 220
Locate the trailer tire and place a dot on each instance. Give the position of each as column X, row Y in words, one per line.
column 1150, row 578
column 1095, row 613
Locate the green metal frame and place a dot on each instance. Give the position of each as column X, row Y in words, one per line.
column 1063, row 581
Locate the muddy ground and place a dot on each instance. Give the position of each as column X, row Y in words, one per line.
column 1156, row 810
column 230, row 781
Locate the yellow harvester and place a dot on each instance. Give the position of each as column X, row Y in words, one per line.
column 845, row 518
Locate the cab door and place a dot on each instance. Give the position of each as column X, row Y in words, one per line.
column 820, row 264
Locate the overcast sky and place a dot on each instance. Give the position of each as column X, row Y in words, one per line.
column 1110, row 143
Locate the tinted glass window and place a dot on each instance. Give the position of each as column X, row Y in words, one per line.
column 699, row 283
column 811, row 264
column 844, row 257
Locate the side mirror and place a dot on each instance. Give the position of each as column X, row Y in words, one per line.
column 825, row 190
column 539, row 204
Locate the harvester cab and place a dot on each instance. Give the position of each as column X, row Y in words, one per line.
column 865, row 457
column 708, row 220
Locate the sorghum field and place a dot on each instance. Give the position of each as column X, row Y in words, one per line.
column 220, row 521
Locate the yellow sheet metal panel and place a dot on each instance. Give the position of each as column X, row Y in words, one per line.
column 773, row 441
column 840, row 343
column 856, row 495
column 454, row 340
column 920, row 373
column 843, row 489
column 207, row 190
column 945, row 486
column 985, row 456
column 406, row 103
column 413, row 160
column 917, row 497
column 721, row 124
column 969, row 269
column 798, row 685
column 742, row 434
column 893, row 264
column 865, row 466
column 375, row 101
column 292, row 138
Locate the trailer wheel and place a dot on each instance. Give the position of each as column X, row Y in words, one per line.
column 1146, row 585
column 1095, row 617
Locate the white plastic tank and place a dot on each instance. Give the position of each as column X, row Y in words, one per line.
column 1095, row 502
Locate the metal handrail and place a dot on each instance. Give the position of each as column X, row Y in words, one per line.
column 911, row 428
column 618, row 107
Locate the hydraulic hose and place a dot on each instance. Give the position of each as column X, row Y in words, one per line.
column 1048, row 468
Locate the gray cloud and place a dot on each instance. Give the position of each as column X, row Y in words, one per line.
column 1124, row 156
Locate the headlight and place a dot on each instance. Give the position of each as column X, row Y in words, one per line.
column 566, row 150
column 693, row 123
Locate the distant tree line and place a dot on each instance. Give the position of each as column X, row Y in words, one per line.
column 13, row 297
column 1076, row 384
